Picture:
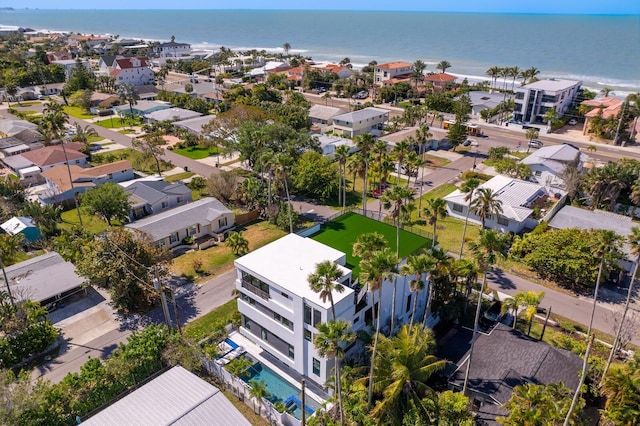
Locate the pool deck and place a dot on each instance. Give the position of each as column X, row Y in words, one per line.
column 285, row 372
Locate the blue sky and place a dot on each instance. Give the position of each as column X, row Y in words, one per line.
column 507, row 6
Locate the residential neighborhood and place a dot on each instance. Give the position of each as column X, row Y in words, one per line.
column 248, row 237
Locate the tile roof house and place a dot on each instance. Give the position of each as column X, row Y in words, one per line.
column 206, row 217
column 135, row 71
column 59, row 188
column 603, row 107
column 518, row 199
column 366, row 120
column 548, row 163
column 54, row 155
column 383, row 72
column 177, row 397
column 503, row 359
column 151, row 197
column 339, row 70
column 440, row 80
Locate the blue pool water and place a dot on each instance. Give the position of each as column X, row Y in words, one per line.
column 279, row 389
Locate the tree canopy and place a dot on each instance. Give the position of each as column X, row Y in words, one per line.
column 109, row 200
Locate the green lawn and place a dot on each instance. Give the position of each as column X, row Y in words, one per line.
column 92, row 139
column 449, row 230
column 126, row 131
column 435, row 161
column 196, row 152
column 342, row 232
column 179, row 176
column 118, row 123
column 91, row 223
column 201, row 327
column 77, row 112
column 29, row 112
column 28, row 104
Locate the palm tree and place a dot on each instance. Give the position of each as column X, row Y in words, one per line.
column 523, row 299
column 531, row 134
column 493, row 73
column 286, row 47
column 342, row 154
column 356, row 165
column 605, row 245
column 237, row 243
column 401, row 150
column 9, row 248
column 634, row 247
column 329, row 340
column 468, row 270
column 468, row 187
column 396, row 198
column 423, row 135
column 364, row 144
column 418, row 71
column 514, row 72
column 622, row 389
column 486, row 204
column 486, row 250
column 443, row 66
column 368, row 243
column 127, row 93
column 324, row 281
column 380, row 266
column 258, row 390
column 379, row 149
column 418, row 265
column 413, row 163
column 436, row 209
column 606, row 91
column 550, row 116
column 405, row 365
column 84, row 133
column 283, row 164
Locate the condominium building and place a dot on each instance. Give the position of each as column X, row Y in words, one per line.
column 534, row 100
column 280, row 312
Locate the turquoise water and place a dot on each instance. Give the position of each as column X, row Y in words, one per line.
column 279, row 389
column 601, row 50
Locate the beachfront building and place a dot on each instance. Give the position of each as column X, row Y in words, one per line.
column 518, row 198
column 171, row 49
column 384, row 72
column 280, row 312
column 604, row 108
column 134, row 71
column 532, row 101
column 440, row 81
column 366, row 120
column 548, row 163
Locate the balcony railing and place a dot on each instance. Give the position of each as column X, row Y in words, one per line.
column 255, row 290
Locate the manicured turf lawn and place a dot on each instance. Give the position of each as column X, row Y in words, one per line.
column 196, row 152
column 117, row 122
column 77, row 112
column 342, row 232
column 179, row 176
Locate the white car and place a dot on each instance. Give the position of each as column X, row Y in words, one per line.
column 573, row 122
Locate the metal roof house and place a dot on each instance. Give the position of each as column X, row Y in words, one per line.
column 171, row 114
column 43, row 278
column 366, row 120
column 22, row 225
column 518, row 199
column 150, row 197
column 176, row 397
column 205, row 217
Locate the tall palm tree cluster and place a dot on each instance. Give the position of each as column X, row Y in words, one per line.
column 526, row 76
column 615, row 184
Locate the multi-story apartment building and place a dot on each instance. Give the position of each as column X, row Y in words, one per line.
column 534, row 100
column 391, row 70
column 280, row 313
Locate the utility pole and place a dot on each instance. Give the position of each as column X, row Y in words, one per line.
column 75, row 196
column 175, row 310
column 163, row 298
column 585, row 368
column 475, row 336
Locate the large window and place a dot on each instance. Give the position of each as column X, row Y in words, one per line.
column 456, row 208
column 308, row 335
column 307, row 314
column 316, row 367
column 317, row 317
column 255, row 285
column 503, row 221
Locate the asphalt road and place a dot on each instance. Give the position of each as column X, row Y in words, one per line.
column 204, row 299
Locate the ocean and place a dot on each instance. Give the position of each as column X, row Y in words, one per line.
column 600, row 50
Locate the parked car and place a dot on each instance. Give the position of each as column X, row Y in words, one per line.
column 535, row 144
column 492, row 315
column 573, row 122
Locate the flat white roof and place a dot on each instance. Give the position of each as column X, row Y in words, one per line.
column 289, row 261
column 554, row 85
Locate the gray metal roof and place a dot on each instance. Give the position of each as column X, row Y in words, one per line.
column 195, row 124
column 555, row 157
column 176, row 397
column 42, row 277
column 161, row 225
column 323, row 112
column 172, row 114
column 361, row 115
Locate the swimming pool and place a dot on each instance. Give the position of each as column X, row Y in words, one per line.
column 280, row 390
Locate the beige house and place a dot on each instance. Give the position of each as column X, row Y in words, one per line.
column 384, row 72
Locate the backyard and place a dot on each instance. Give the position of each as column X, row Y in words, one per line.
column 342, row 232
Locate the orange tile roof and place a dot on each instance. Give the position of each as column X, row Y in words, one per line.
column 609, row 106
column 394, row 65
column 441, row 77
column 59, row 175
column 105, row 169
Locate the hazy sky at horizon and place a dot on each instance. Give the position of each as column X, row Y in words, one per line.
column 498, row 6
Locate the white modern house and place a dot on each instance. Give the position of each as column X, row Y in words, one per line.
column 280, row 313
column 533, row 100
column 518, row 197
column 366, row 120
column 548, row 163
column 384, row 72
column 171, row 49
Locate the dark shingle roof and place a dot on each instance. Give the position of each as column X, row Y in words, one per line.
column 154, row 191
column 506, row 358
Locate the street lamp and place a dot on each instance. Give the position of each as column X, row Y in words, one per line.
column 475, row 156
